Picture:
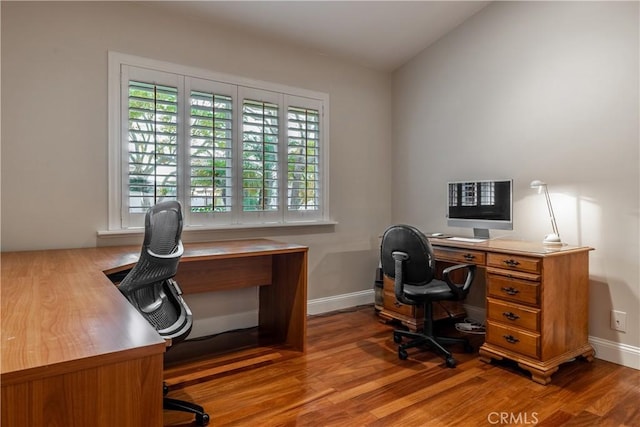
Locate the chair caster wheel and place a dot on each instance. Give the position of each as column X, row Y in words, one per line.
column 202, row 420
column 397, row 339
column 450, row 362
column 402, row 354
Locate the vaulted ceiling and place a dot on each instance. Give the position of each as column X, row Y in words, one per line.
column 378, row 34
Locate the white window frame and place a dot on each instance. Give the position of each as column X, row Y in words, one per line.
column 120, row 66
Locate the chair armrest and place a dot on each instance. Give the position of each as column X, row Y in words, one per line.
column 398, row 284
column 462, row 289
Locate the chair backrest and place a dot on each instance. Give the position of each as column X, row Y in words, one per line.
column 161, row 248
column 163, row 228
column 149, row 286
column 419, row 267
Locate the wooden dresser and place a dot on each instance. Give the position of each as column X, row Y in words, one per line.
column 537, row 301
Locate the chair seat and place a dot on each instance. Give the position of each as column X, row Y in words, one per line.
column 437, row 290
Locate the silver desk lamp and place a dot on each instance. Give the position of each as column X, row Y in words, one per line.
column 553, row 238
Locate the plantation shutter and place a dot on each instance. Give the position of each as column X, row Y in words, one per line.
column 260, row 154
column 152, row 144
column 211, row 152
column 303, row 159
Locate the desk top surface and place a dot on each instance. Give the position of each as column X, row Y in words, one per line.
column 60, row 311
column 514, row 247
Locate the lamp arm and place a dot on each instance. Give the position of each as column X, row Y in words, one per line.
column 554, row 226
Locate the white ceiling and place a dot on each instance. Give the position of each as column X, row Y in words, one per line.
column 379, row 34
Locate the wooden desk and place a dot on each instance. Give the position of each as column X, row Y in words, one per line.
column 537, row 300
column 75, row 352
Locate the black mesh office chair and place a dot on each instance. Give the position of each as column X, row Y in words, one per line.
column 150, row 286
column 407, row 258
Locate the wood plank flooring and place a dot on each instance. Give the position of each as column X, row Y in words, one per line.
column 351, row 376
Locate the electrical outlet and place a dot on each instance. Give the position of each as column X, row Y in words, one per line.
column 618, row 320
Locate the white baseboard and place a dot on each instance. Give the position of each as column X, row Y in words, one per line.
column 611, row 351
column 339, row 302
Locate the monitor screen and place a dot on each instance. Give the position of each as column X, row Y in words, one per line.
column 486, row 204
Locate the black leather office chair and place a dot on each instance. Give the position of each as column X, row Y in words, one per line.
column 407, row 258
column 150, row 286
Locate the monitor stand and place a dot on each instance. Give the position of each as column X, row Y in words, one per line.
column 481, row 233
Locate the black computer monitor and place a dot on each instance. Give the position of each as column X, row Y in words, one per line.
column 481, row 205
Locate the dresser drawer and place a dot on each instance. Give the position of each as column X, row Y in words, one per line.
column 513, row 289
column 513, row 314
column 513, row 339
column 459, row 256
column 514, row 262
column 392, row 304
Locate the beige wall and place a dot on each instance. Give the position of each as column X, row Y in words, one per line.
column 534, row 90
column 54, row 128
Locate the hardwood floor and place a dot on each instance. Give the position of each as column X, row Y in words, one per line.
column 351, row 376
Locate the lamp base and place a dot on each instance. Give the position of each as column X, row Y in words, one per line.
column 552, row 240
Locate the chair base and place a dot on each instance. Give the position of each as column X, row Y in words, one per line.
column 202, row 418
column 435, row 343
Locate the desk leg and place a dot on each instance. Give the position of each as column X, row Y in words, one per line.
column 283, row 304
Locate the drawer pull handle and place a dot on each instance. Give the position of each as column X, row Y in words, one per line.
column 511, row 262
column 511, row 339
column 511, row 316
column 510, row 290
column 397, row 304
column 469, row 257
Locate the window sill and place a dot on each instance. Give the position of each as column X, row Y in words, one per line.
column 194, row 230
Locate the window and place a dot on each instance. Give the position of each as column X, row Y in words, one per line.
column 303, row 159
column 260, row 154
column 469, row 194
column 487, row 193
column 210, row 152
column 152, row 144
column 472, row 194
column 234, row 152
